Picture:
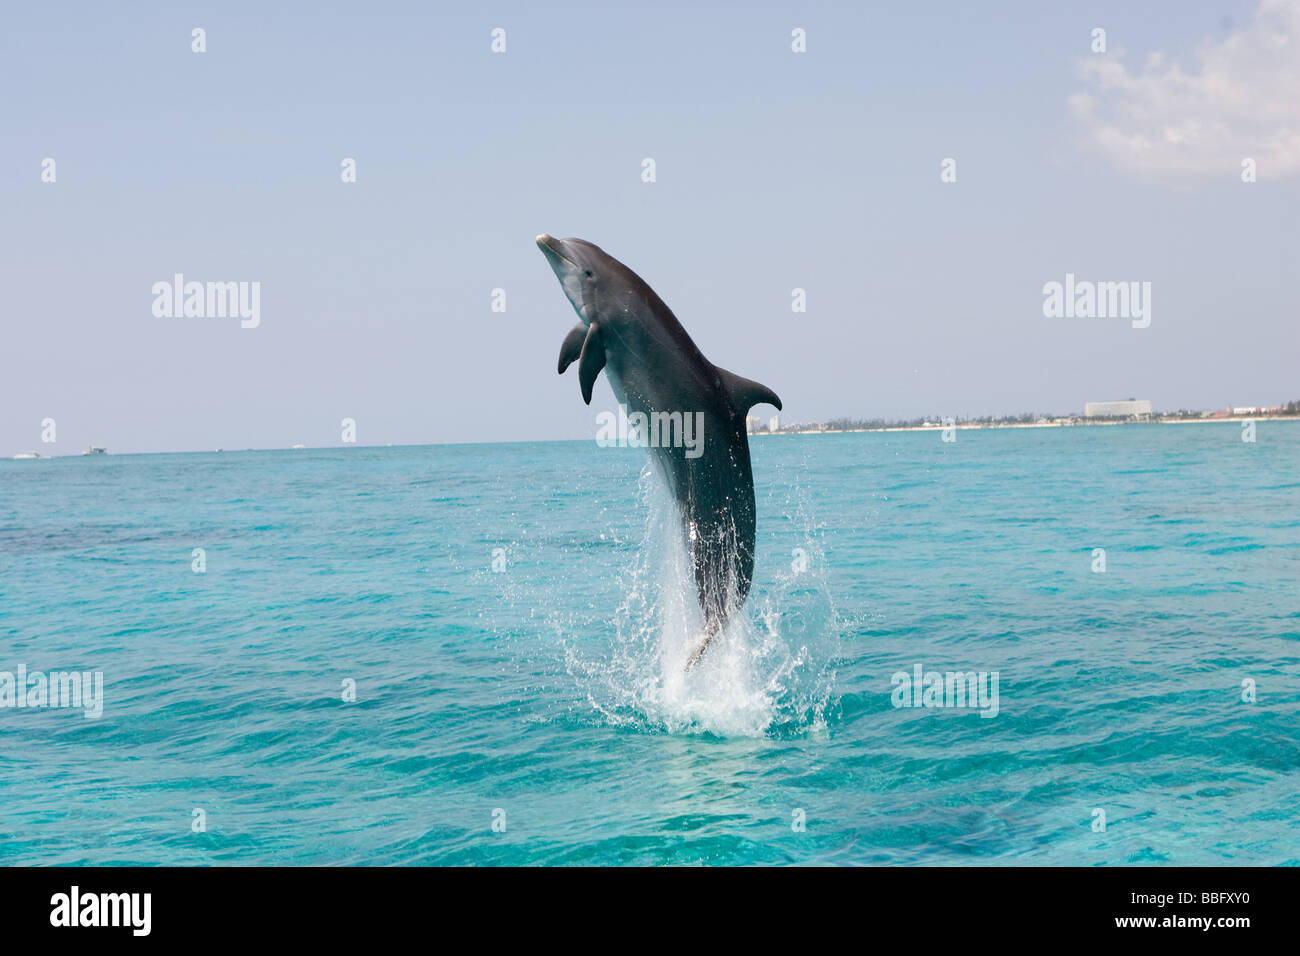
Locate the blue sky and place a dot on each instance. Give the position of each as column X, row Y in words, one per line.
column 774, row 170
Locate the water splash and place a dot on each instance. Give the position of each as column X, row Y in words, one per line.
column 769, row 671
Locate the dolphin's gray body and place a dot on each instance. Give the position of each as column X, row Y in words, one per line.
column 655, row 368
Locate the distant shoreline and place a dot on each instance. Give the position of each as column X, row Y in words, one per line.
column 959, row 426
column 971, row 426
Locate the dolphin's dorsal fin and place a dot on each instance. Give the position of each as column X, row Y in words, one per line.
column 571, row 347
column 746, row 393
column 591, row 360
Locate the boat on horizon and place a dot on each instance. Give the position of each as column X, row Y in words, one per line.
column 92, row 450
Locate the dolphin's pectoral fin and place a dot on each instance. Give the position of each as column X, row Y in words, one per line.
column 590, row 361
column 746, row 393
column 571, row 347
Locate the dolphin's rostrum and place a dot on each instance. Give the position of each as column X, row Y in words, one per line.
column 656, row 370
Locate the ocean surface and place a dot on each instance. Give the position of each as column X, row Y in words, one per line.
column 511, row 621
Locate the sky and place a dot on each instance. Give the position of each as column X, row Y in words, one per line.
column 774, row 170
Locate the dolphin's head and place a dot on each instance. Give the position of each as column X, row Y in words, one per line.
column 587, row 274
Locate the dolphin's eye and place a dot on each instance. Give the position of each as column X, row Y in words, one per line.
column 588, row 273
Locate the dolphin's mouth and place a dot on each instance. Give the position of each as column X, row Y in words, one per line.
column 550, row 247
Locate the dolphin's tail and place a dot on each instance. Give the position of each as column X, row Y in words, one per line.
column 711, row 630
column 723, row 567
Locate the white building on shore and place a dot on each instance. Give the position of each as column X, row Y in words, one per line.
column 1127, row 409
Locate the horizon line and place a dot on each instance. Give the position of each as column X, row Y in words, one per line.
column 855, row 426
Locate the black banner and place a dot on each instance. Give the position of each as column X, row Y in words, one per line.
column 332, row 905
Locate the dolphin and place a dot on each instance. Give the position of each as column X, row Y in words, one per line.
column 656, row 370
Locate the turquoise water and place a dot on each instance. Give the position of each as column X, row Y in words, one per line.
column 513, row 618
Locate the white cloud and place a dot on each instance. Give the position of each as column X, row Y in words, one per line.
column 1243, row 101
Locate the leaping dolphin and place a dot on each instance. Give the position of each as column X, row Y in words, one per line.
column 655, row 369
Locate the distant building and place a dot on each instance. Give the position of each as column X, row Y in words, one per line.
column 1128, row 409
column 753, row 423
column 774, row 424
